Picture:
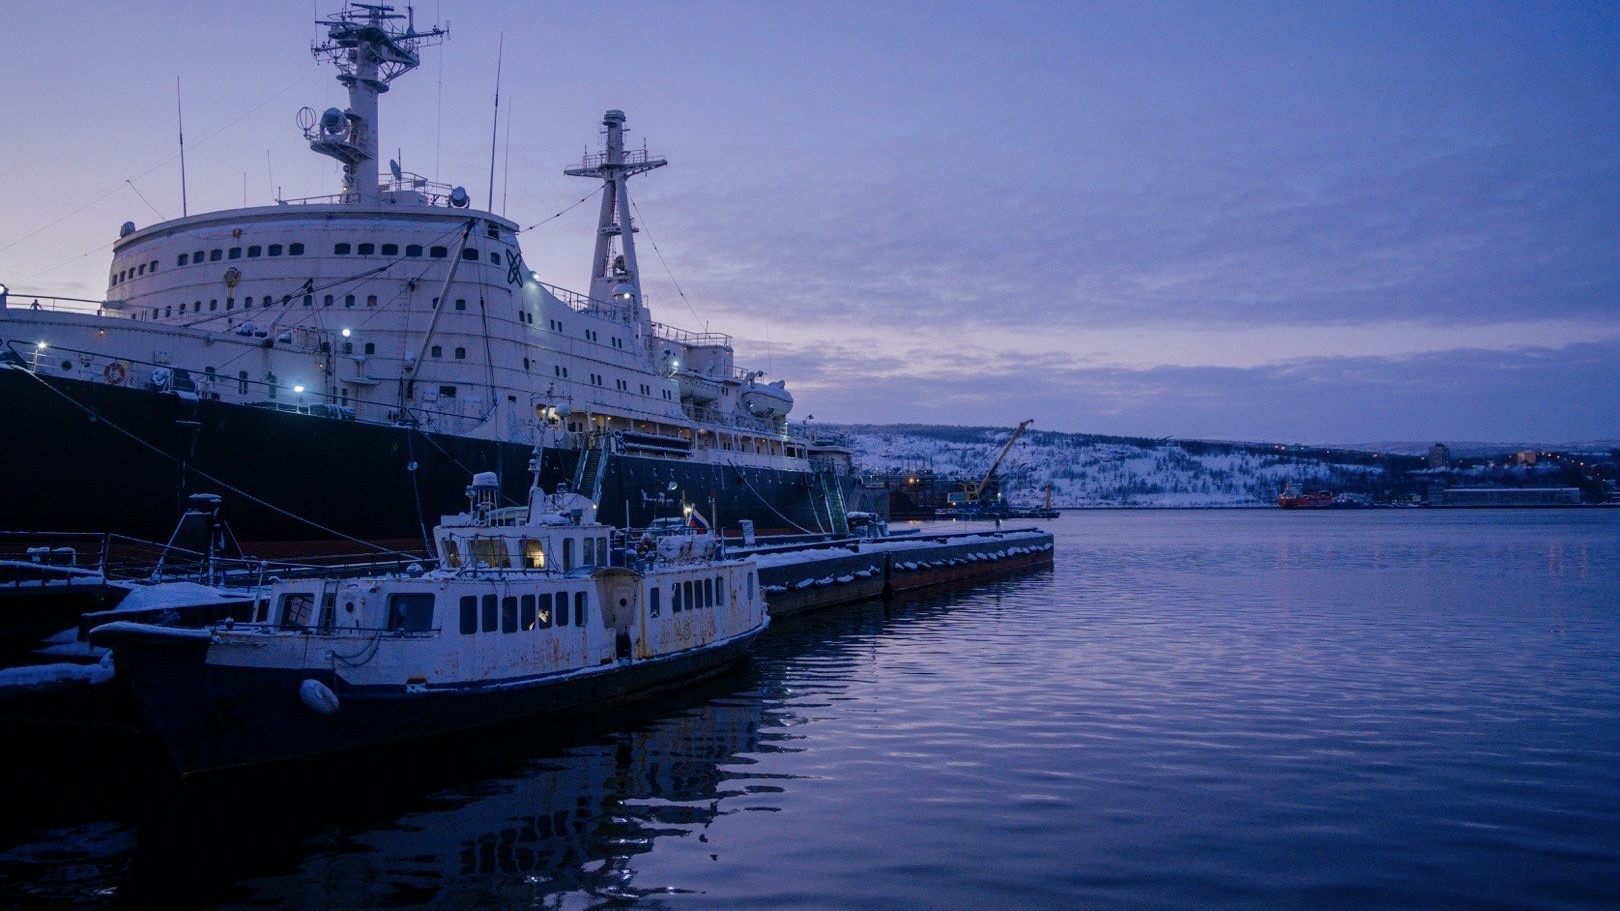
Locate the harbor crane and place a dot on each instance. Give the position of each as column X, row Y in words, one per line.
column 972, row 491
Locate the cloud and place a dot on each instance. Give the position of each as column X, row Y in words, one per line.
column 1564, row 394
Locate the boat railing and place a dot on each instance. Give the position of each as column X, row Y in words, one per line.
column 691, row 339
column 432, row 193
column 587, row 304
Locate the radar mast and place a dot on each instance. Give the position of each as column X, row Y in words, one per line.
column 370, row 51
column 616, row 278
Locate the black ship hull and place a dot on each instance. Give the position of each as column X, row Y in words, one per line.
column 90, row 457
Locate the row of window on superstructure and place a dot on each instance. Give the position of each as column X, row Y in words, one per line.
column 252, row 252
column 512, row 613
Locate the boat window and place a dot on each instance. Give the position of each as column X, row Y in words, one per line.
column 652, row 601
column 495, row 257
column 197, row 257
column 461, row 303
column 568, row 554
column 411, row 613
column 542, row 611
column 439, row 252
column 580, row 600
column 490, row 610
column 490, row 552
column 297, row 609
column 436, row 351
column 236, row 253
column 295, row 249
column 253, row 252
column 242, row 382
column 213, row 304
column 180, row 260
column 719, row 591
column 526, row 613
column 691, row 594
column 469, row 253
column 390, row 249
column 452, row 554
column 413, row 249
column 675, row 603
column 588, row 558
column 509, row 614
column 152, row 267
column 215, row 256
column 275, row 250
column 348, row 300
column 371, row 347
column 469, row 614
column 367, row 249
column 340, row 249
column 230, row 303
column 371, row 300
column 461, row 353
column 562, row 609
column 534, row 554
column 447, row 392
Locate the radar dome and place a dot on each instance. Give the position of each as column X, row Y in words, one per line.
column 458, row 197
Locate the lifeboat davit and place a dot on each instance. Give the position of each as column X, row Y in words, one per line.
column 767, row 400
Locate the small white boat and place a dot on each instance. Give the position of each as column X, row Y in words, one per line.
column 531, row 611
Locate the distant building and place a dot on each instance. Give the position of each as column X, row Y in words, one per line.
column 1527, row 457
column 1506, row 496
column 1439, row 456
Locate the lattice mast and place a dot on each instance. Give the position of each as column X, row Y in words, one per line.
column 370, row 51
column 616, row 277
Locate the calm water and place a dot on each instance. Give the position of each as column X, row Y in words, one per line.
column 1193, row 710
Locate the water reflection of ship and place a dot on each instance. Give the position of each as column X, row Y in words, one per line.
column 568, row 823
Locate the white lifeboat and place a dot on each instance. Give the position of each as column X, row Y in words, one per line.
column 697, row 388
column 767, row 400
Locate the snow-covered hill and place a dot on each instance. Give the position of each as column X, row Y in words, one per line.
column 1087, row 470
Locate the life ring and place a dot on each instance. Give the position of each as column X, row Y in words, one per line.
column 232, row 276
column 114, row 374
column 318, row 697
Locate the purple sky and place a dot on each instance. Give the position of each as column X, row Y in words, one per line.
column 1297, row 222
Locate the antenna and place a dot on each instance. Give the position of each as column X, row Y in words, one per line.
column 495, row 124
column 180, row 118
column 506, row 164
